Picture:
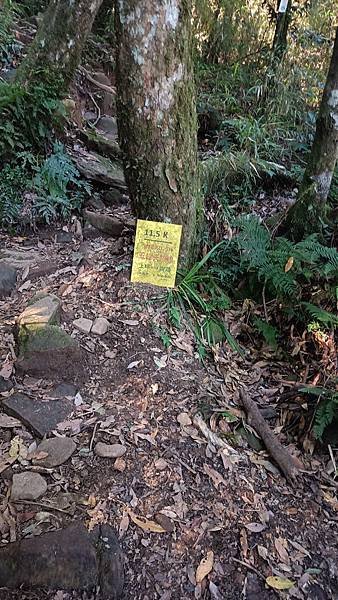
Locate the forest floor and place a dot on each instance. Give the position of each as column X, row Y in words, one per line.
column 136, row 392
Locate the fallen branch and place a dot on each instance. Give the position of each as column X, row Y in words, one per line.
column 282, row 457
column 102, row 86
column 212, row 437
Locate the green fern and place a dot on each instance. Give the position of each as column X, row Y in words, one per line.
column 327, row 409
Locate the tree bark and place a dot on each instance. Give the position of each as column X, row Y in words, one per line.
column 282, row 26
column 56, row 50
column 157, row 113
column 308, row 213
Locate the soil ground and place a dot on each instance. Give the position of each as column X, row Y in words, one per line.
column 139, row 393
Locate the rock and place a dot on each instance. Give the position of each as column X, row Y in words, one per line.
column 7, row 279
column 100, row 326
column 109, row 450
column 43, row 269
column 45, row 311
column 40, row 417
column 184, row 419
column 105, row 223
column 100, row 169
column 49, row 350
column 83, row 325
column 28, row 486
column 113, row 197
column 5, row 385
column 19, row 258
column 96, row 202
column 68, row 559
column 90, row 232
column 59, row 450
column 103, row 144
column 64, row 390
column 108, row 125
column 63, row 237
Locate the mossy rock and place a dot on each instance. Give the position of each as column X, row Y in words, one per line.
column 43, row 309
column 49, row 351
column 100, row 169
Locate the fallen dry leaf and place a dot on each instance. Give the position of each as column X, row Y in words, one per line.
column 215, row 477
column 279, row 583
column 7, row 422
column 280, row 545
column 124, row 524
column 255, row 527
column 289, row 264
column 145, row 524
column 205, row 566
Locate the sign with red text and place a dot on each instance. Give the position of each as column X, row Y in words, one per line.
column 156, row 251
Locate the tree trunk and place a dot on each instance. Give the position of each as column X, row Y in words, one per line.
column 157, row 113
column 56, row 50
column 281, row 32
column 307, row 214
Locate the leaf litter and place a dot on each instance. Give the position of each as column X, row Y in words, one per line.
column 197, row 510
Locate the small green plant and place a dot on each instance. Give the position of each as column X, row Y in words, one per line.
column 198, row 300
column 42, row 191
column 58, row 187
column 327, row 408
column 27, row 117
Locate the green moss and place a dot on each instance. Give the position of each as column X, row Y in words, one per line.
column 34, row 338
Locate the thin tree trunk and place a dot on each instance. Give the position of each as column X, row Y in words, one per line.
column 307, row 214
column 56, row 50
column 282, row 26
column 157, row 113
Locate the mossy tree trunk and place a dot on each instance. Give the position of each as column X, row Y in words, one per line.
column 56, row 50
column 308, row 213
column 282, row 26
column 157, row 113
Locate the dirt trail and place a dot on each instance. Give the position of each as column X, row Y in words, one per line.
column 143, row 396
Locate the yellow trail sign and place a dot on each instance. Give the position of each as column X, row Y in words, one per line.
column 156, row 252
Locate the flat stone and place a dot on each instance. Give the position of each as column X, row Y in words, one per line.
column 45, row 311
column 105, row 223
column 109, row 450
column 28, row 486
column 7, row 279
column 49, row 351
column 113, row 197
column 100, row 169
column 40, row 417
column 68, row 559
column 63, row 237
column 19, row 258
column 83, row 324
column 64, row 390
column 59, row 450
column 100, row 326
column 108, row 125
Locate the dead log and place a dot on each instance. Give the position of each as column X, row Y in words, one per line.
column 280, row 454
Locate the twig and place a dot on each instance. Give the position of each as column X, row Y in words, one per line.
column 214, row 439
column 264, row 302
column 248, row 566
column 97, row 108
column 93, row 436
column 50, row 506
column 102, row 86
column 281, row 455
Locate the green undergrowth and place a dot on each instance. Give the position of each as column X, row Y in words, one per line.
column 40, row 190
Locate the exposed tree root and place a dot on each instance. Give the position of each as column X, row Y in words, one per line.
column 282, row 457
